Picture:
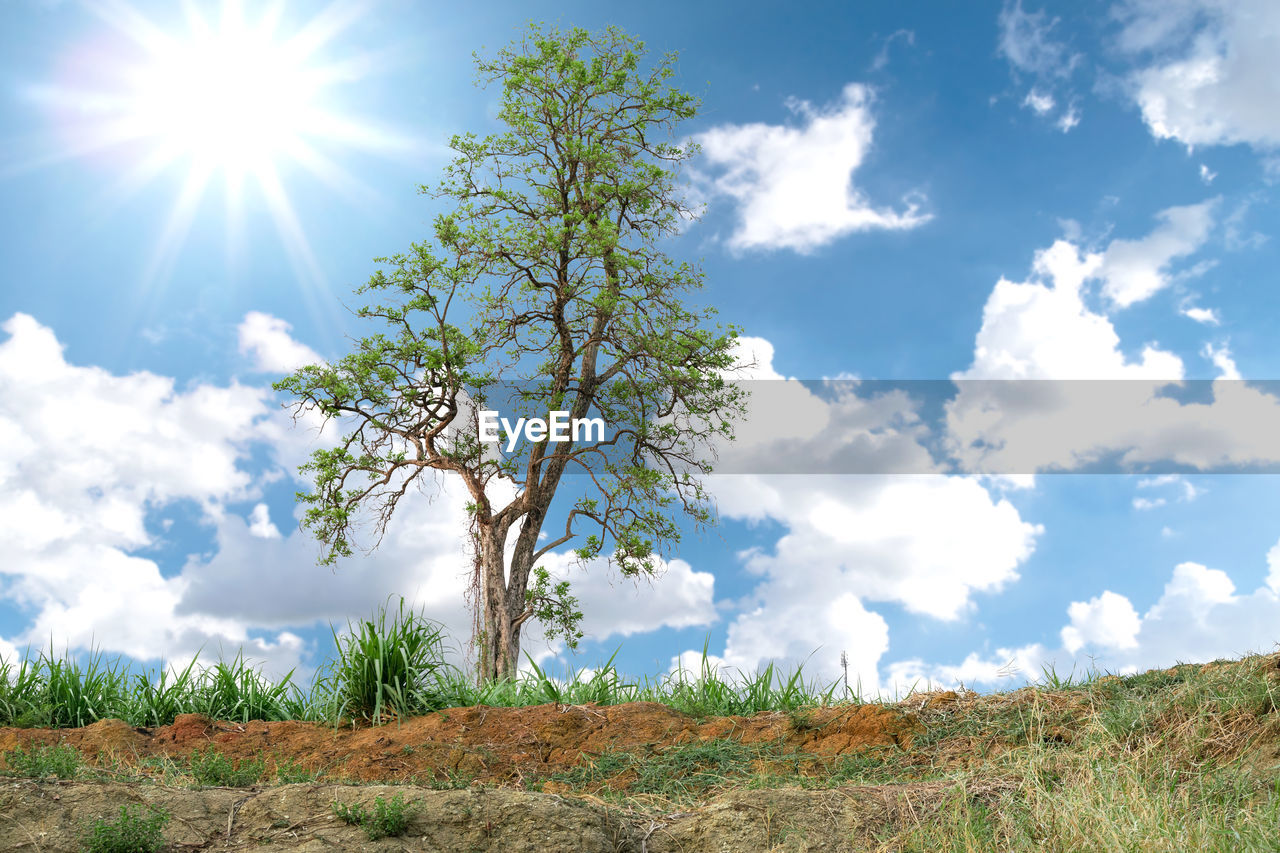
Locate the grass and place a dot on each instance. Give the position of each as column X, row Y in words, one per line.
column 213, row 769
column 44, row 762
column 387, row 818
column 388, row 667
column 131, row 833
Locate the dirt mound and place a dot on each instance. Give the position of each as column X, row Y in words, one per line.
column 490, row 745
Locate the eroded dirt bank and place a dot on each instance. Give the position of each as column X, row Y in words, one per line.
column 490, row 745
column 487, row 758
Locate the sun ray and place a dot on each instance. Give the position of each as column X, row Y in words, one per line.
column 327, row 170
column 224, row 96
column 178, row 226
column 290, row 229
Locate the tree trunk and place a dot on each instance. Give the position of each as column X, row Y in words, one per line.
column 499, row 645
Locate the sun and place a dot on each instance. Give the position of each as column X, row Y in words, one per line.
column 219, row 98
column 229, row 97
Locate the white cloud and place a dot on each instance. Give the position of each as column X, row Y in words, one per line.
column 1273, row 566
column 1198, row 617
column 1188, row 489
column 927, row 543
column 1026, row 40
column 1042, row 329
column 794, row 185
column 1107, row 620
column 260, row 523
column 1207, row 316
column 675, row 597
column 1148, row 503
column 267, row 341
column 1221, row 358
column 1134, row 270
column 1210, row 77
column 1206, row 174
column 87, row 456
column 1039, row 102
column 1069, row 119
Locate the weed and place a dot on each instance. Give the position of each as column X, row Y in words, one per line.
column 131, row 833
column 214, row 769
column 41, row 762
column 386, row 818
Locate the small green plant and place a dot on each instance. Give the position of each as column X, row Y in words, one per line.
column 386, row 818
column 41, row 762
column 289, row 772
column 215, row 769
column 131, row 833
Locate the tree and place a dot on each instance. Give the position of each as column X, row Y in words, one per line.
column 553, row 246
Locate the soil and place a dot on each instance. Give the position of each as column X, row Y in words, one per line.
column 487, row 759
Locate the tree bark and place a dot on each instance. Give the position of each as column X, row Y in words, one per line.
column 500, row 646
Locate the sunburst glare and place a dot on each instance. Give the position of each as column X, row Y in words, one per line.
column 224, row 98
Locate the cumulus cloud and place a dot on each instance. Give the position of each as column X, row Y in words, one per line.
column 926, row 543
column 1040, row 103
column 1208, row 73
column 260, row 523
column 266, row 340
column 1108, row 620
column 1199, row 616
column 1043, row 329
column 794, row 184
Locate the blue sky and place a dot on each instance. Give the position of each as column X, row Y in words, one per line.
column 893, row 191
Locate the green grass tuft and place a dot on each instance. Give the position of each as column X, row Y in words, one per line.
column 131, row 833
column 42, row 762
column 213, row 769
column 386, row 819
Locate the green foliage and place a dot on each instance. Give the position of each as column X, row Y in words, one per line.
column 385, row 819
column 212, row 768
column 41, row 762
column 556, row 610
column 386, row 669
column 131, row 833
